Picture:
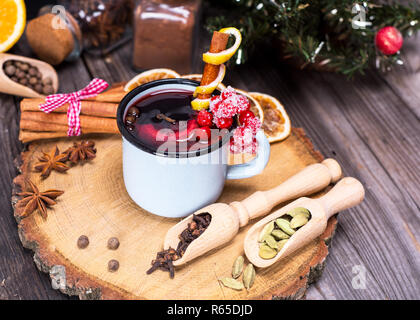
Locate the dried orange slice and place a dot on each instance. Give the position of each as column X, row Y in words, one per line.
column 276, row 122
column 255, row 105
column 198, row 76
column 150, row 75
column 12, row 22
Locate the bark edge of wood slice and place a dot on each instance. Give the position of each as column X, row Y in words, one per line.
column 291, row 278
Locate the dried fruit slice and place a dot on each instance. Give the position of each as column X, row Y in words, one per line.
column 276, row 122
column 198, row 76
column 12, row 22
column 150, row 75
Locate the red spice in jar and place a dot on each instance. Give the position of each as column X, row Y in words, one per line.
column 165, row 34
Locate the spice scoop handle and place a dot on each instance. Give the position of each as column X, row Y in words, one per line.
column 311, row 179
column 347, row 193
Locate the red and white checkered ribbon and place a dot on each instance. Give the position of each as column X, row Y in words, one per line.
column 55, row 101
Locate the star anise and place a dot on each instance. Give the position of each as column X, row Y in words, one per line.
column 34, row 199
column 84, row 150
column 52, row 161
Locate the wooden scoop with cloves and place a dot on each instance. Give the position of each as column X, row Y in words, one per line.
column 226, row 219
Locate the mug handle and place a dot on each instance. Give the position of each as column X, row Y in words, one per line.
column 256, row 165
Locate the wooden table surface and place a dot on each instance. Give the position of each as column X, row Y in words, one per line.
column 370, row 125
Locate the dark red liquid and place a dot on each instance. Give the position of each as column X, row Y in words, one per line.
column 143, row 122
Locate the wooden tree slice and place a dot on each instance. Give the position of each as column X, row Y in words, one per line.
column 96, row 204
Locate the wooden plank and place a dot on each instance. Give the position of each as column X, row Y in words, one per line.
column 374, row 234
column 21, row 279
column 18, row 277
column 405, row 79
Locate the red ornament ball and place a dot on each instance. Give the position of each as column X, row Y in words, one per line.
column 388, row 40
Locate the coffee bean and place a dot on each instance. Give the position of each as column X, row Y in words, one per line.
column 23, row 81
column 48, row 90
column 38, row 88
column 33, row 80
column 33, row 71
column 113, row 265
column 82, row 242
column 8, row 63
column 113, row 243
column 47, row 81
column 10, row 70
column 24, row 67
column 15, row 79
column 20, row 74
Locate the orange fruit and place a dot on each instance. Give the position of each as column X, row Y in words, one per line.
column 198, row 76
column 276, row 122
column 150, row 75
column 12, row 22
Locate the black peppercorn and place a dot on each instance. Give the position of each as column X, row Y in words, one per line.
column 113, row 265
column 82, row 242
column 113, row 243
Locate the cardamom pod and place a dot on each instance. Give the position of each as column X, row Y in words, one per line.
column 237, row 267
column 272, row 243
column 281, row 243
column 299, row 210
column 232, row 283
column 266, row 231
column 266, row 252
column 249, row 276
column 298, row 220
column 279, row 235
column 284, row 225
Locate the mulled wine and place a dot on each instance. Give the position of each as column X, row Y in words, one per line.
column 166, row 116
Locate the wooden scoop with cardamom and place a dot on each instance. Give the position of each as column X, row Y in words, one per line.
column 226, row 219
column 290, row 228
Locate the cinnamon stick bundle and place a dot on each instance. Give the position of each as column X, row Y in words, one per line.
column 89, row 108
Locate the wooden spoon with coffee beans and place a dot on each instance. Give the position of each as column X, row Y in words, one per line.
column 26, row 77
column 347, row 193
column 226, row 219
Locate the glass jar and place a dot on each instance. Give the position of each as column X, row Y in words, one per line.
column 165, row 34
column 103, row 23
column 97, row 26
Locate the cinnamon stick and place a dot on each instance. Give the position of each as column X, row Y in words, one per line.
column 33, row 125
column 89, row 108
column 218, row 43
column 28, row 136
column 113, row 94
column 97, row 124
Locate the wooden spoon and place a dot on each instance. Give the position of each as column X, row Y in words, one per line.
column 9, row 86
column 227, row 219
column 347, row 193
